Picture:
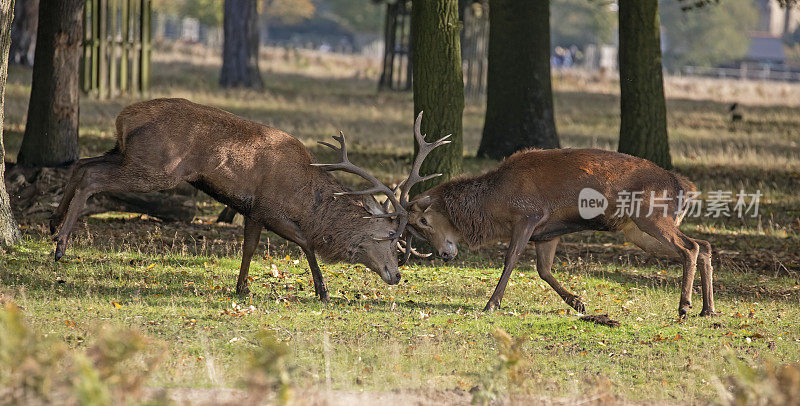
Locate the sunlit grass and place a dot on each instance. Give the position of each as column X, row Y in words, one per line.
column 174, row 281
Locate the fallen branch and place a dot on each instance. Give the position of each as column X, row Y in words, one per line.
column 36, row 192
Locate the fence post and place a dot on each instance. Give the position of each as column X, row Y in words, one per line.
column 144, row 60
column 125, row 40
column 102, row 57
column 86, row 74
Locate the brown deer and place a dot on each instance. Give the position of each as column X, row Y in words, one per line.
column 263, row 173
column 534, row 196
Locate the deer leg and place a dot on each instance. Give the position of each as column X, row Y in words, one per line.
column 252, row 233
column 706, row 278
column 319, row 283
column 545, row 252
column 101, row 176
column 290, row 231
column 69, row 190
column 519, row 239
column 665, row 231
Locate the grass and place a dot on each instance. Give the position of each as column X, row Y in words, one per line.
column 173, row 281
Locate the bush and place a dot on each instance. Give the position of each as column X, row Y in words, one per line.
column 36, row 369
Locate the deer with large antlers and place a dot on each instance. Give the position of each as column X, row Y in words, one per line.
column 263, row 173
column 539, row 195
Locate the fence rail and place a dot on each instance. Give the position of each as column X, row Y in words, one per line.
column 744, row 73
column 116, row 47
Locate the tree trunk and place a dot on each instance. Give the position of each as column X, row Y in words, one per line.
column 23, row 32
column 9, row 233
column 438, row 84
column 51, row 132
column 240, row 45
column 643, row 111
column 519, row 98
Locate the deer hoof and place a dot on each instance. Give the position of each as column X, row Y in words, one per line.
column 708, row 312
column 61, row 246
column 576, row 304
column 683, row 310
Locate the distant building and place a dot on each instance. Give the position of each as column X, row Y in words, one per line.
column 765, row 49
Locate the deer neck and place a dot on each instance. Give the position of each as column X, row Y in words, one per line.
column 464, row 202
column 335, row 225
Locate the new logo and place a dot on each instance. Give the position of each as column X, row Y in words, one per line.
column 591, row 203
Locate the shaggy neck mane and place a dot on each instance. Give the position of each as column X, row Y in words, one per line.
column 331, row 220
column 463, row 200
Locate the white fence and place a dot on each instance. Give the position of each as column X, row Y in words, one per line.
column 744, row 72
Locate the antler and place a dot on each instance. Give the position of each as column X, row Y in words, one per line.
column 377, row 187
column 407, row 249
column 425, row 148
column 414, row 177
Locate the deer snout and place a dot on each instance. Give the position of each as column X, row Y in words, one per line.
column 390, row 276
column 449, row 251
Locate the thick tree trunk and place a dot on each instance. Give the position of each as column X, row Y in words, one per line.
column 9, row 233
column 240, row 45
column 519, row 98
column 643, row 115
column 438, row 84
column 51, row 132
column 23, row 32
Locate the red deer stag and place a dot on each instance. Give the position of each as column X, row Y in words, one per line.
column 263, row 173
column 534, row 196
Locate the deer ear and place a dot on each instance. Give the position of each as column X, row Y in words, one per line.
column 372, row 205
column 423, row 203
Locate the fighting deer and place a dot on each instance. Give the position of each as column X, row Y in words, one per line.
column 263, row 173
column 534, row 196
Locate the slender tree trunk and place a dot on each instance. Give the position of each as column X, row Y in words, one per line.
column 240, row 45
column 23, row 32
column 51, row 132
column 643, row 111
column 9, row 233
column 519, row 97
column 438, row 83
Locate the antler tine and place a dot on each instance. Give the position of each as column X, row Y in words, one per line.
column 408, row 250
column 425, row 148
column 377, row 186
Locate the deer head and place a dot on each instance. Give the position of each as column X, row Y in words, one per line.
column 400, row 237
column 428, row 219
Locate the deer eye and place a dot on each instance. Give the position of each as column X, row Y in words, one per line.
column 423, row 221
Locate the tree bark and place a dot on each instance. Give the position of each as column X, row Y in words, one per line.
column 643, row 111
column 9, row 233
column 23, row 32
column 438, row 84
column 51, row 132
column 240, row 45
column 519, row 97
